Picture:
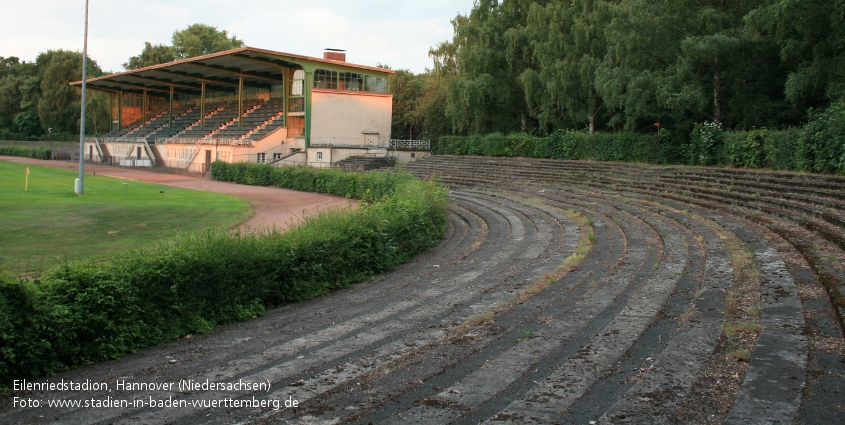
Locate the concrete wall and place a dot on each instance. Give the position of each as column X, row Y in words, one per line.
column 346, row 116
column 408, row 156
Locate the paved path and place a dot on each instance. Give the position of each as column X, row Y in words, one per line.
column 273, row 206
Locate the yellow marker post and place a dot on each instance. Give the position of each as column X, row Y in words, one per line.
column 26, row 185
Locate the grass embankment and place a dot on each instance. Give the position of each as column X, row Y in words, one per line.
column 85, row 312
column 48, row 224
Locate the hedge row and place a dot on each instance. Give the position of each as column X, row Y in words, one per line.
column 364, row 186
column 627, row 147
column 87, row 312
column 817, row 147
column 37, row 153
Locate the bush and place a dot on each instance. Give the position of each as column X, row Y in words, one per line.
column 86, row 312
column 822, row 147
column 746, row 149
column 496, row 144
column 37, row 153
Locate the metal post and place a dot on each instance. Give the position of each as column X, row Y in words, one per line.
column 202, row 104
column 79, row 189
column 170, row 119
column 144, row 109
column 119, row 110
column 240, row 99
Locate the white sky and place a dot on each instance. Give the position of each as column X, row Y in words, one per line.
column 393, row 32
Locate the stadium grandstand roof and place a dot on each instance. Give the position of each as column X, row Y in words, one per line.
column 220, row 71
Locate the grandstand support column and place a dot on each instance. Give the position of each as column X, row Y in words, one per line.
column 120, row 109
column 111, row 111
column 202, row 103
column 286, row 79
column 170, row 118
column 144, row 109
column 240, row 99
column 309, row 83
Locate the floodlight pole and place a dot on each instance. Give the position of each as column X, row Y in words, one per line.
column 80, row 184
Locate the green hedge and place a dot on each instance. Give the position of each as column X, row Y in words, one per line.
column 563, row 144
column 817, row 147
column 37, row 153
column 515, row 145
column 364, row 186
column 87, row 312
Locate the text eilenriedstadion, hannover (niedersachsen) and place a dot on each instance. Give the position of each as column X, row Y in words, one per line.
column 186, row 386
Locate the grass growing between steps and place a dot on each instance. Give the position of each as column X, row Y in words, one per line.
column 46, row 223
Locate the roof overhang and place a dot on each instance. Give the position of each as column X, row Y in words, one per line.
column 220, row 71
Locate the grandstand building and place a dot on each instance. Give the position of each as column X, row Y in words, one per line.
column 249, row 105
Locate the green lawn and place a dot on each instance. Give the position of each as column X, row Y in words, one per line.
column 49, row 223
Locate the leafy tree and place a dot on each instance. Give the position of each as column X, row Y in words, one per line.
column 59, row 105
column 685, row 61
column 569, row 46
column 16, row 84
column 432, row 107
column 811, row 35
column 201, row 39
column 445, row 54
column 153, row 54
column 407, row 90
column 487, row 96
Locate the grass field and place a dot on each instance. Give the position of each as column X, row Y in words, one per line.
column 49, row 224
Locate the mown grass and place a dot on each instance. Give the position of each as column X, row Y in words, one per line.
column 49, row 224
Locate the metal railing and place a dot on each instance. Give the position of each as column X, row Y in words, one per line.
column 344, row 142
column 410, row 145
column 204, row 141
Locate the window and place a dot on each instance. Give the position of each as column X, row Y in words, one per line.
column 297, row 83
column 297, row 104
column 319, row 156
column 348, row 81
column 325, row 79
column 296, row 126
column 376, row 85
column 261, row 157
column 277, row 156
column 351, row 82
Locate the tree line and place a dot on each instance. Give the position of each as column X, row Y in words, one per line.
column 37, row 102
column 540, row 66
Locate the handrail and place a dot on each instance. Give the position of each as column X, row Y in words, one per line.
column 150, row 152
column 407, row 144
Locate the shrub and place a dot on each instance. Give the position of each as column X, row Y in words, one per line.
column 37, row 153
column 496, row 144
column 746, row 149
column 706, row 144
column 822, row 147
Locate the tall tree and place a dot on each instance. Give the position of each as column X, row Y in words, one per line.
column 811, row 35
column 153, row 54
column 569, row 45
column 407, row 90
column 201, row 39
column 59, row 105
column 677, row 60
column 487, row 96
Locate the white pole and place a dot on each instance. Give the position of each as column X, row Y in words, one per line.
column 81, row 184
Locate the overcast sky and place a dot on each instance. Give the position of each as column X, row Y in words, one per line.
column 393, row 32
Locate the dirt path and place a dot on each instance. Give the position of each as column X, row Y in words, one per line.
column 705, row 298
column 272, row 206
